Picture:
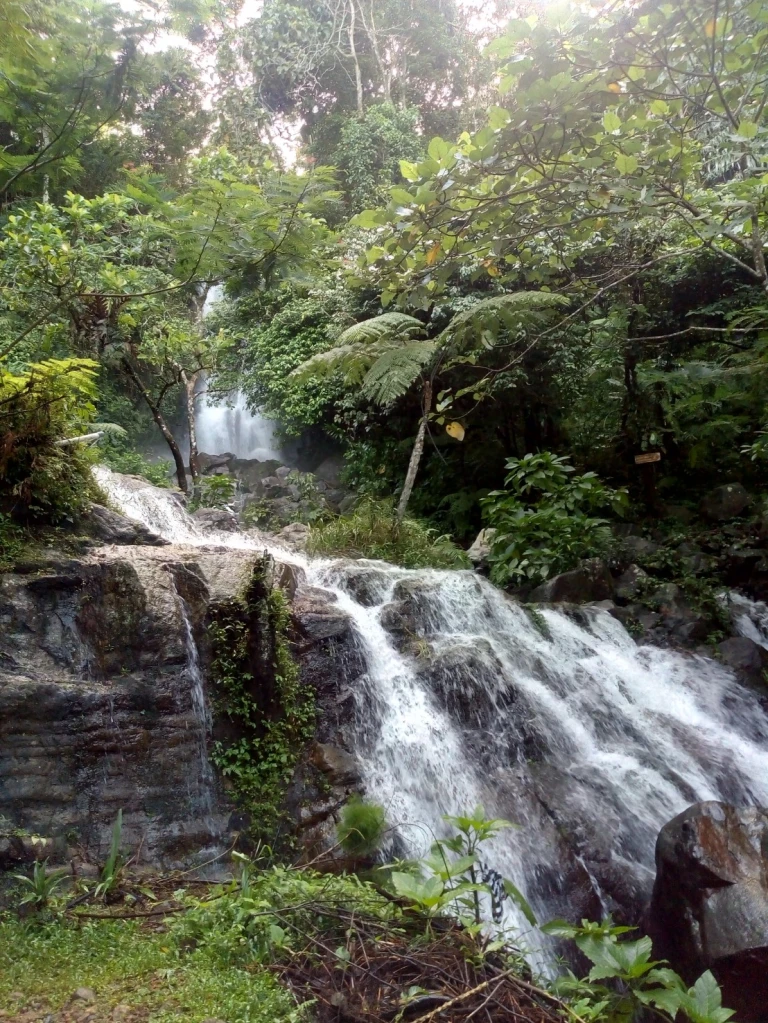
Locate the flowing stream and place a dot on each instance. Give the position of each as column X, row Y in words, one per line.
column 555, row 719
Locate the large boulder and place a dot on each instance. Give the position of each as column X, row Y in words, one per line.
column 709, row 909
column 591, row 581
column 110, row 527
column 481, row 548
column 725, row 502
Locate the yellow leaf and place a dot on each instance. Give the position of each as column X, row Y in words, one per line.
column 455, row 430
column 614, row 87
column 433, row 253
column 710, row 28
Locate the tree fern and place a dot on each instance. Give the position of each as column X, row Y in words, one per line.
column 394, row 372
column 388, row 326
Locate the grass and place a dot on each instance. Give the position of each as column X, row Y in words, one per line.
column 372, row 532
column 126, row 964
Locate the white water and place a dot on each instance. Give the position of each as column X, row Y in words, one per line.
column 563, row 725
column 202, row 714
column 232, row 427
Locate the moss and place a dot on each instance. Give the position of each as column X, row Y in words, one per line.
column 268, row 712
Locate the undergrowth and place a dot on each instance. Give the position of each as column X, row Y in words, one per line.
column 128, row 965
column 371, row 531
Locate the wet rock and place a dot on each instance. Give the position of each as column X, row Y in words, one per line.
column 347, row 504
column 726, row 502
column 340, row 767
column 209, row 464
column 680, row 512
column 96, row 704
column 282, row 472
column 481, row 547
column 590, row 582
column 709, row 909
column 744, row 655
column 295, row 535
column 368, row 584
column 111, row 527
column 220, row 519
column 630, row 584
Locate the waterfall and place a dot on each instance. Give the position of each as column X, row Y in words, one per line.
column 201, row 712
column 554, row 719
column 232, row 426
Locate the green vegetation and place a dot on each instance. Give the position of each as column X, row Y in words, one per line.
column 372, row 531
column 214, row 491
column 257, row 687
column 361, row 828
column 542, row 520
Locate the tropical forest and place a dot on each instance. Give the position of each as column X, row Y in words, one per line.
column 383, row 511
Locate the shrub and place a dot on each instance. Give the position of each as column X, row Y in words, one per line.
column 542, row 520
column 132, row 463
column 361, row 828
column 371, row 531
column 46, row 403
column 215, row 491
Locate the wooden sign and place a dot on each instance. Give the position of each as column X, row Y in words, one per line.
column 649, row 456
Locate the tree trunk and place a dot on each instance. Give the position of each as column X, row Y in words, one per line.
column 418, row 450
column 190, row 383
column 353, row 51
column 157, row 415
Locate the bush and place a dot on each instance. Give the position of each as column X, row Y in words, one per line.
column 134, row 464
column 50, row 401
column 542, row 520
column 215, row 491
column 371, row 531
column 361, row 828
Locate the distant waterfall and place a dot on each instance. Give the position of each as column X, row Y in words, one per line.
column 556, row 719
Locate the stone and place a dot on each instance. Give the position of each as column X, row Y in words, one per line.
column 630, row 584
column 678, row 511
column 96, row 706
column 282, row 472
column 726, row 502
column 110, row 527
column 217, row 520
column 330, row 469
column 251, row 471
column 709, row 909
column 213, row 463
column 347, row 504
column 340, row 766
column 295, row 536
column 590, row 582
column 481, row 547
column 84, row 994
column 637, row 548
column 744, row 655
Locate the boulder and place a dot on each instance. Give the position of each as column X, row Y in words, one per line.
column 110, row 527
column 725, row 502
column 637, row 547
column 709, row 909
column 217, row 519
column 630, row 584
column 588, row 583
column 481, row 548
column 294, row 536
column 744, row 655
column 340, row 767
column 213, row 463
column 251, row 471
column 330, row 469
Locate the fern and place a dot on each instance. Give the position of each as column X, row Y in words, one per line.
column 485, row 321
column 393, row 373
column 388, row 326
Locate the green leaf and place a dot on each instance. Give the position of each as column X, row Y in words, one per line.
column 611, row 121
column 439, row 149
column 517, row 896
column 626, row 164
column 747, row 129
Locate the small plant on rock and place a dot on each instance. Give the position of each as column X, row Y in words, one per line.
column 361, row 828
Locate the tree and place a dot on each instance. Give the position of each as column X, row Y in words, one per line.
column 387, row 355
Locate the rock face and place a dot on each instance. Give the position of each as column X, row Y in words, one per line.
column 591, row 581
column 725, row 502
column 710, row 901
column 101, row 697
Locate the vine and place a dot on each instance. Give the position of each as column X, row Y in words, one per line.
column 267, row 712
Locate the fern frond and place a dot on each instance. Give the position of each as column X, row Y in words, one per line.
column 395, row 371
column 484, row 322
column 108, row 429
column 387, row 326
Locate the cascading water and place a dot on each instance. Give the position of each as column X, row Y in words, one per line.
column 554, row 719
column 202, row 714
column 232, row 426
